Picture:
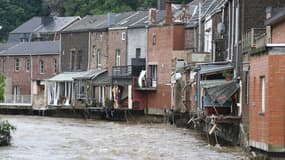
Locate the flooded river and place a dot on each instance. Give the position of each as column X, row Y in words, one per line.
column 44, row 138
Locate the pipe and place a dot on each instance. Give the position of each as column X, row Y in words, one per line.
column 199, row 27
column 229, row 31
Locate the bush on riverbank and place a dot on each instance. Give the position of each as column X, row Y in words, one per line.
column 5, row 132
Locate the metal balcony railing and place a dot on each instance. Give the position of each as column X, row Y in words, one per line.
column 16, row 99
column 253, row 38
column 122, row 72
column 147, row 84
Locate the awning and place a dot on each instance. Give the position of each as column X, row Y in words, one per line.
column 220, row 91
column 91, row 74
column 102, row 79
column 210, row 68
column 64, row 77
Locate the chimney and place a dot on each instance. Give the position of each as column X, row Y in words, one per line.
column 268, row 27
column 152, row 15
column 111, row 19
column 160, row 4
column 168, row 9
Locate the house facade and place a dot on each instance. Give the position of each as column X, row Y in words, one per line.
column 25, row 67
column 266, row 79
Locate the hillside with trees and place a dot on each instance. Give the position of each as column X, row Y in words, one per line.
column 15, row 12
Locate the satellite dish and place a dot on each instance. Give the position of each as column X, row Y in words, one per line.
column 221, row 28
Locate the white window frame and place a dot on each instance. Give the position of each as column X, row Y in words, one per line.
column 55, row 65
column 118, row 57
column 263, row 94
column 99, row 57
column 42, row 67
column 27, row 64
column 124, row 36
column 17, row 64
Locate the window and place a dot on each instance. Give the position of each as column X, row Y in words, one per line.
column 72, row 60
column 41, row 66
column 54, row 65
column 153, row 75
column 17, row 64
column 138, row 53
column 3, row 64
column 153, row 39
column 246, row 87
column 117, row 57
column 123, row 36
column 17, row 90
column 263, row 94
column 27, row 64
column 79, row 60
column 99, row 58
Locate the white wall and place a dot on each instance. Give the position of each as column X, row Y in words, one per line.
column 137, row 38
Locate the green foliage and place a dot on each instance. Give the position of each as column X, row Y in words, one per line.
column 15, row 12
column 6, row 128
column 5, row 132
column 2, row 87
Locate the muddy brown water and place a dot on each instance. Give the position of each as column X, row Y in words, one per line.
column 45, row 138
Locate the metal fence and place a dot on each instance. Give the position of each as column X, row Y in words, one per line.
column 16, row 99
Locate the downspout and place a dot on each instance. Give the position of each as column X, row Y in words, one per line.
column 31, row 75
column 199, row 25
column 233, row 30
column 229, row 31
column 237, row 42
column 89, row 52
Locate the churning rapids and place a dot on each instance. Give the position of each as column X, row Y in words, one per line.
column 44, row 138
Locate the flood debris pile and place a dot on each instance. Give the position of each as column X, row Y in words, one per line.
column 5, row 132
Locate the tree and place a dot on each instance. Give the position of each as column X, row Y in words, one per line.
column 2, row 87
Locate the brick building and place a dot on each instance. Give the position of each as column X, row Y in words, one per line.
column 26, row 66
column 267, row 84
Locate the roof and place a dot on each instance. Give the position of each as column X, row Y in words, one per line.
column 135, row 18
column 98, row 22
column 102, row 79
column 204, row 9
column 277, row 15
column 91, row 74
column 64, row 77
column 33, row 48
column 44, row 24
column 5, row 46
column 210, row 68
column 220, row 90
column 89, row 22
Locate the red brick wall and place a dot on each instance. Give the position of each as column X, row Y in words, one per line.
column 269, row 127
column 168, row 38
column 22, row 77
column 278, row 33
column 178, row 37
column 116, row 42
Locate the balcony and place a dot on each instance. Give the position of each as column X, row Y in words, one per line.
column 148, row 84
column 122, row 72
column 254, row 38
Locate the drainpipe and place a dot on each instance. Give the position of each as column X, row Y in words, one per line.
column 237, row 74
column 199, row 28
column 233, row 29
column 89, row 52
column 229, row 31
column 31, row 75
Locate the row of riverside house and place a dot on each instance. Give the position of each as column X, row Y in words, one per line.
column 222, row 61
